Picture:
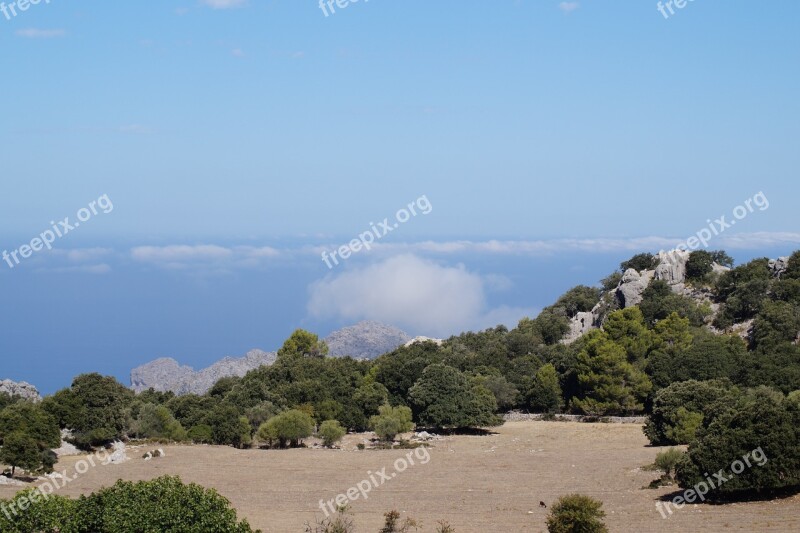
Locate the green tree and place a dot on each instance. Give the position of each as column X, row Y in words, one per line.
column 545, row 394
column 627, row 328
column 578, row 300
column 640, row 262
column 391, row 421
column 722, row 258
column 156, row 421
column 608, row 383
column 760, row 426
column 444, row 398
column 20, row 450
column 658, row 302
column 699, row 265
column 667, row 424
column 303, row 343
column 289, row 427
column 576, row 513
column 228, row 427
column 97, row 408
column 331, row 432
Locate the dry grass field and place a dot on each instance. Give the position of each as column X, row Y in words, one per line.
column 482, row 484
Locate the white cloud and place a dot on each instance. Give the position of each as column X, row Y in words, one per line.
column 420, row 295
column 224, row 4
column 36, row 33
column 569, row 7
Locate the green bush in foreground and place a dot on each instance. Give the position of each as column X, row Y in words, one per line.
column 163, row 505
column 576, row 514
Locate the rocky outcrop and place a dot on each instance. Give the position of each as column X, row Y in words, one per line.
column 671, row 269
column 415, row 340
column 167, row 374
column 365, row 340
column 632, row 287
column 778, row 266
column 20, row 390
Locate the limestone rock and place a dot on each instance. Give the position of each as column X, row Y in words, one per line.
column 20, row 390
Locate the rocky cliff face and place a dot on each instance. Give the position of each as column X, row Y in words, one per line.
column 20, row 390
column 671, row 269
column 365, row 340
column 167, row 374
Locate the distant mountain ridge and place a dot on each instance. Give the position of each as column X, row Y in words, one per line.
column 166, row 374
column 365, row 340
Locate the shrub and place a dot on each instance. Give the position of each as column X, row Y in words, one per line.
column 201, row 434
column 393, row 524
column 391, row 421
column 289, row 427
column 43, row 515
column 640, row 262
column 27, row 434
column 670, row 421
column 228, row 427
column 164, row 504
column 445, row 398
column 331, row 432
column 699, row 265
column 576, row 514
column 759, row 420
column 667, row 461
column 156, row 422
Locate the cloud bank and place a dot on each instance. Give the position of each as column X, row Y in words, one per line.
column 420, row 295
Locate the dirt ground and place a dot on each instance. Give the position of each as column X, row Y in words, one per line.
column 481, row 484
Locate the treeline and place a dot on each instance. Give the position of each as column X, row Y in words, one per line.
column 641, row 358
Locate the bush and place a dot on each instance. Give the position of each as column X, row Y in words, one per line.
column 156, row 422
column 391, row 421
column 576, row 514
column 201, row 434
column 759, row 420
column 699, row 265
column 228, row 427
column 289, row 427
column 445, row 398
column 164, row 504
column 43, row 515
column 670, row 421
column 667, row 461
column 331, row 432
column 27, row 434
column 640, row 262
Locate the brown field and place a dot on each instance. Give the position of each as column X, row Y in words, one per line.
column 479, row 484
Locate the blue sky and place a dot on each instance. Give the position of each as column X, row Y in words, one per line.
column 238, row 139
